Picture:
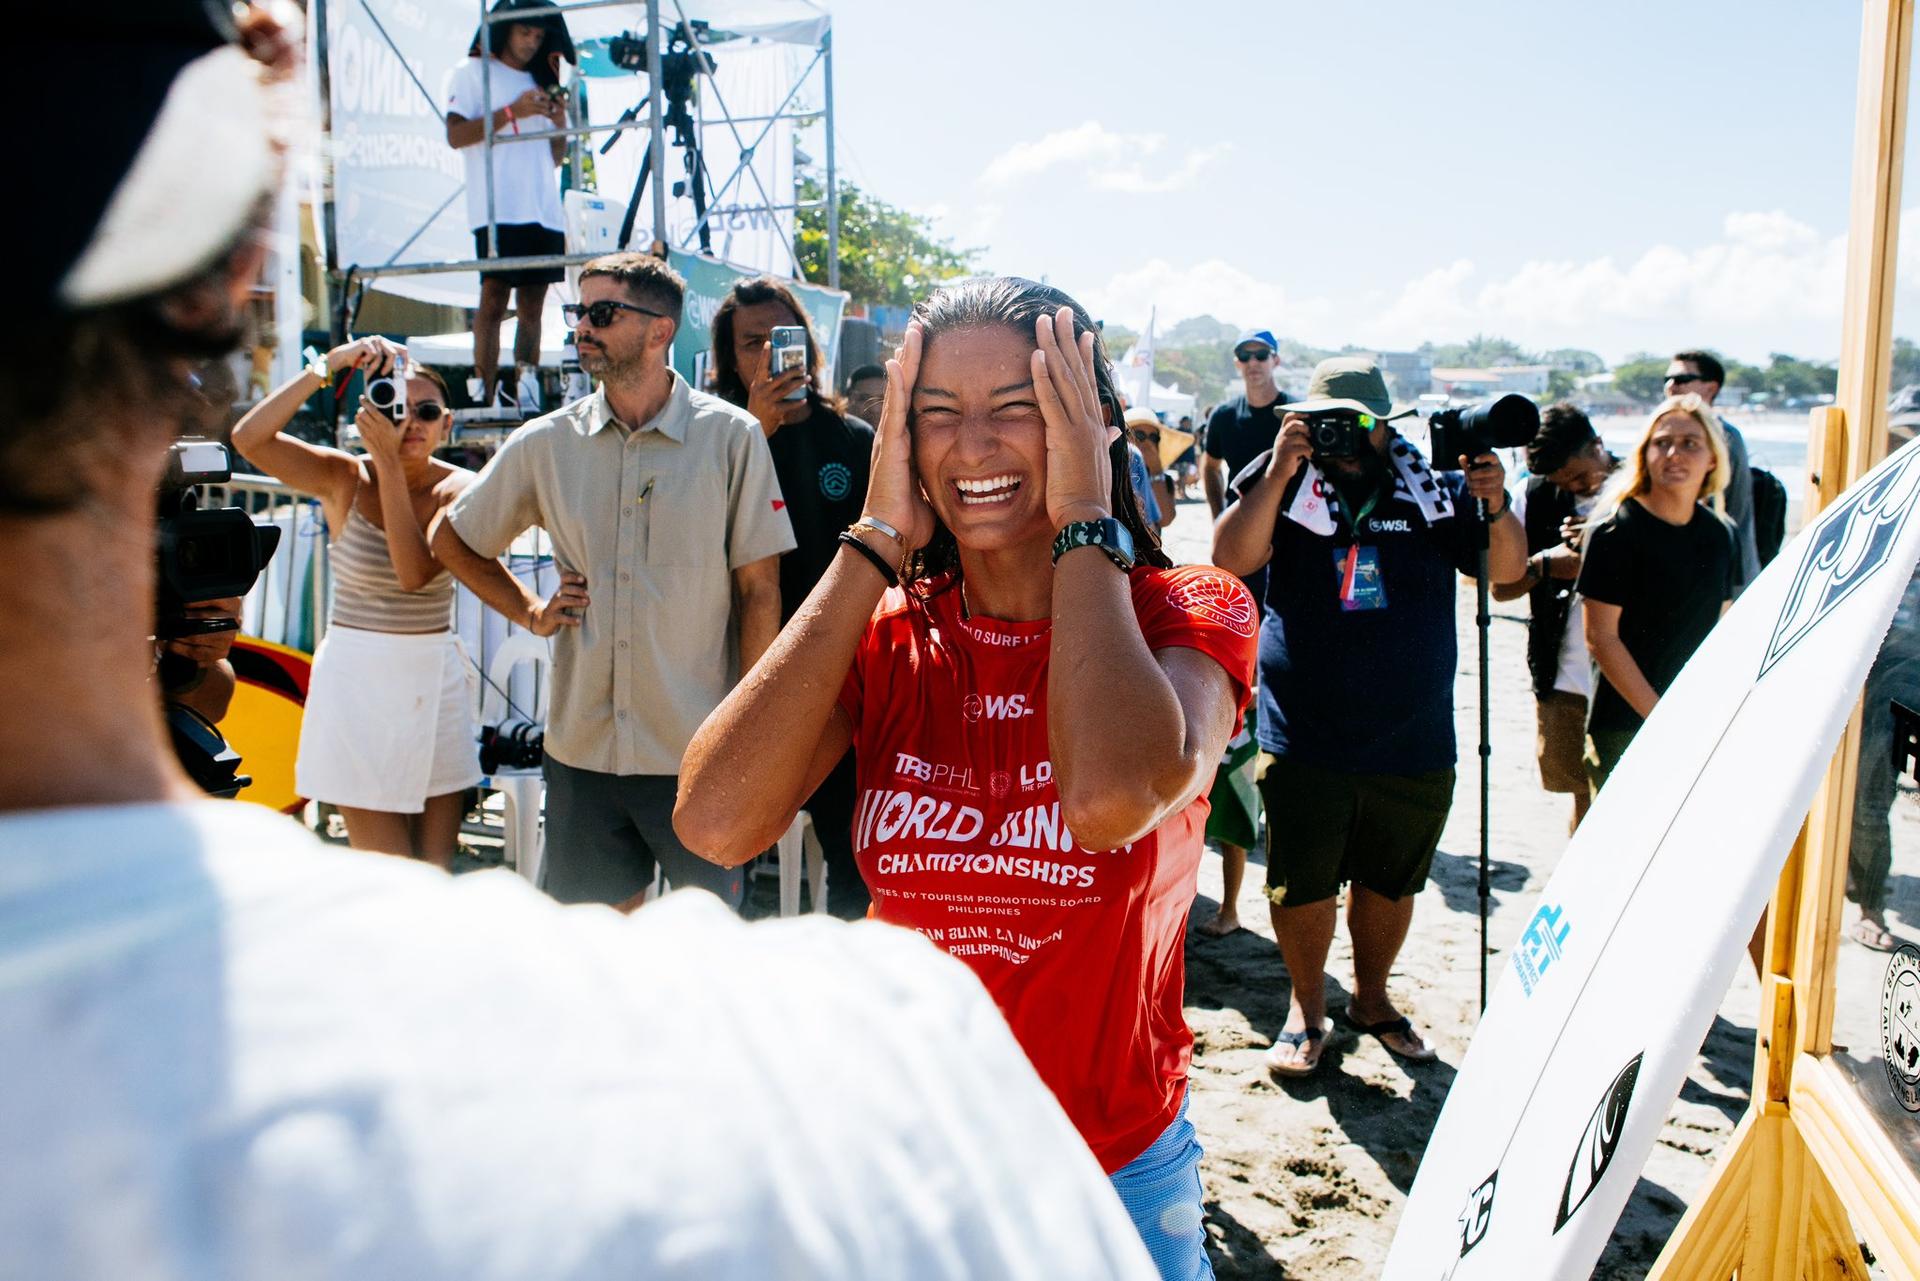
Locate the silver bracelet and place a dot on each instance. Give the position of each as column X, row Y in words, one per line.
column 884, row 528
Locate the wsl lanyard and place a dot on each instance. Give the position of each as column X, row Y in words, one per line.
column 1348, row 568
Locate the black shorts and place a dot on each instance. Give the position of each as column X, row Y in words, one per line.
column 524, row 240
column 1326, row 829
column 607, row 832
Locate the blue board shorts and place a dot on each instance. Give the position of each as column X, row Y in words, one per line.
column 1161, row 1190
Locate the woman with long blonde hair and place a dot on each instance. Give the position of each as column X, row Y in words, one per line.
column 1657, row 571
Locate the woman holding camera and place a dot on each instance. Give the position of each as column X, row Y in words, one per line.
column 1036, row 701
column 388, row 735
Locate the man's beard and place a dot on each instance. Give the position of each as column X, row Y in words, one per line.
column 610, row 368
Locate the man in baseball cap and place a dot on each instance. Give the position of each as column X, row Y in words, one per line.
column 224, row 1054
column 1363, row 544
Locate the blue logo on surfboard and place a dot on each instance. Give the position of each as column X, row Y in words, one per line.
column 1850, row 543
column 1541, row 944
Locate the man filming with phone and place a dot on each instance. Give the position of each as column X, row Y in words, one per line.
column 1362, row 542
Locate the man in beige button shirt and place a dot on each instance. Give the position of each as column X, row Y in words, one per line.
column 668, row 526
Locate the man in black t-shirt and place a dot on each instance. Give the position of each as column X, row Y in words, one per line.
column 1244, row 426
column 821, row 457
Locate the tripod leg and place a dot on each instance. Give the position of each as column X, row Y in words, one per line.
column 633, row 205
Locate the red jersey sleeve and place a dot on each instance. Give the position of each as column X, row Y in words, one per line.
column 1200, row 607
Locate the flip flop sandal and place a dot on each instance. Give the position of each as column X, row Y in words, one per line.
column 1311, row 1041
column 1872, row 937
column 1402, row 1027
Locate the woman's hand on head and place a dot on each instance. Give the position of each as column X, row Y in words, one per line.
column 893, row 493
column 1079, row 473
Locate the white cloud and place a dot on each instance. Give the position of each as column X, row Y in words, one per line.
column 1767, row 278
column 1214, row 287
column 1124, row 162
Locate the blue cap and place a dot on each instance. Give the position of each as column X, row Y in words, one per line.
column 1256, row 335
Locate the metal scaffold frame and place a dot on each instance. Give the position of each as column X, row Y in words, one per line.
column 654, row 121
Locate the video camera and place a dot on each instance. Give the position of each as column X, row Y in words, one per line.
column 202, row 554
column 1510, row 422
column 680, row 61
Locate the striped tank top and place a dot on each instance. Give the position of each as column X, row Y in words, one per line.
column 367, row 593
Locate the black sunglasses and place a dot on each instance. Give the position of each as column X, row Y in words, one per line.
column 601, row 313
column 1250, row 354
column 1681, row 380
column 427, row 411
column 1153, row 436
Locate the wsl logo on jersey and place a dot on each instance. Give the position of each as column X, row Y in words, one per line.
column 1850, row 544
column 1597, row 1142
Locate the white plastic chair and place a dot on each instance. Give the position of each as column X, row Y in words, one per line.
column 801, row 844
column 524, row 790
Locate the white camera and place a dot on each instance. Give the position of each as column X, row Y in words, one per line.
column 388, row 393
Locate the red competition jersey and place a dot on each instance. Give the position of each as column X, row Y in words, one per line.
column 959, row 835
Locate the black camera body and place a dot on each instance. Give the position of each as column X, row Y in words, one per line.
column 1340, row 433
column 1511, row 422
column 511, row 745
column 201, row 554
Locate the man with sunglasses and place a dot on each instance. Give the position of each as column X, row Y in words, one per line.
column 1701, row 373
column 668, row 525
column 1238, row 431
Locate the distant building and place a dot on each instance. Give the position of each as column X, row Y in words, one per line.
column 1474, row 384
column 1409, row 373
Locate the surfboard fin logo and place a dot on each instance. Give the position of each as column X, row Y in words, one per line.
column 1597, row 1142
column 1849, row 544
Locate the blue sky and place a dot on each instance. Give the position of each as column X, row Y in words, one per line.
column 1620, row 177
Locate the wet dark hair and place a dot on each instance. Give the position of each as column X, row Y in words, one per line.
column 728, row 383
column 1564, row 432
column 1009, row 302
column 865, row 372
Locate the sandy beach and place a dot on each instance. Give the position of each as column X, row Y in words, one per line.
column 1308, row 1178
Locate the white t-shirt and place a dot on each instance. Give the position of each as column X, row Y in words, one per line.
column 229, row 1051
column 525, row 186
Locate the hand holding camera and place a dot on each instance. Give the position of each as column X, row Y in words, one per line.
column 1294, row 447
column 534, row 102
column 380, row 435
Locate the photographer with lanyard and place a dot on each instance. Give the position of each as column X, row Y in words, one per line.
column 1036, row 700
column 1362, row 544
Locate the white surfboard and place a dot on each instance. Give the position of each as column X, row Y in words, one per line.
column 1614, row 982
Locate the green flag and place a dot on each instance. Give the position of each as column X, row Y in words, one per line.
column 1235, row 799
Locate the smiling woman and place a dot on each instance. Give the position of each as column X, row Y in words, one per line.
column 1035, row 712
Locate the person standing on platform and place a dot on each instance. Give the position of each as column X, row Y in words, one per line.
column 1568, row 465
column 821, row 457
column 1701, row 374
column 668, row 527
column 1238, row 430
column 1363, row 544
column 518, row 90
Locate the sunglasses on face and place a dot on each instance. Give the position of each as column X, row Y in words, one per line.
column 427, row 411
column 1681, row 380
column 1251, row 355
column 1153, row 436
column 601, row 314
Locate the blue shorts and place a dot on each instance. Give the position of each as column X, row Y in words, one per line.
column 1161, row 1190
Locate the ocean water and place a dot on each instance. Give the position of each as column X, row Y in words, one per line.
column 1775, row 441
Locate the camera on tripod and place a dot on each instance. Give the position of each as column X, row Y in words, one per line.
column 680, row 61
column 201, row 554
column 1510, row 422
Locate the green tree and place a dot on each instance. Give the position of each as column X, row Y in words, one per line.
column 1482, row 351
column 1641, row 377
column 1906, row 363
column 888, row 256
column 1562, row 383
column 1574, row 360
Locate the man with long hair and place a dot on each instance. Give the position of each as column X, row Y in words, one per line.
column 820, row 455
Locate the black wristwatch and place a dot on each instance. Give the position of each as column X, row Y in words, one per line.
column 1108, row 534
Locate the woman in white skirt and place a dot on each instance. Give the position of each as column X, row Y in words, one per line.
column 388, row 735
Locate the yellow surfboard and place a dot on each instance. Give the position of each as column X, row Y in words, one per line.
column 263, row 720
